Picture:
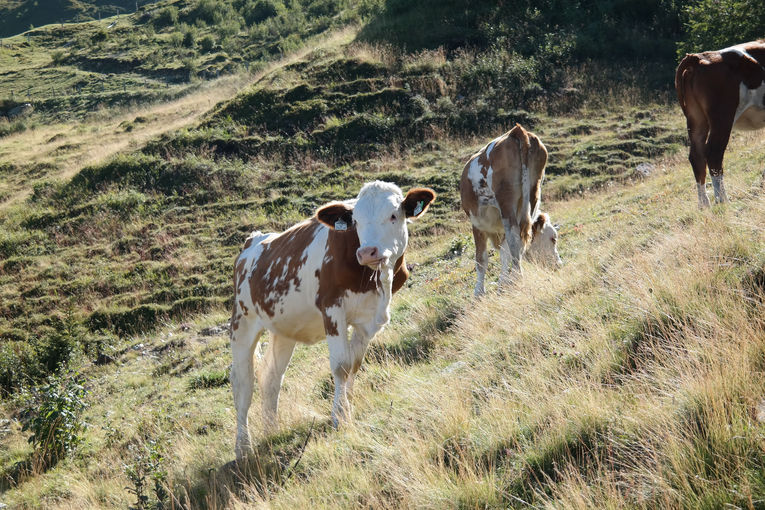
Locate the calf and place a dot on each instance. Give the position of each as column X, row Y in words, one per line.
column 500, row 190
column 720, row 90
column 311, row 282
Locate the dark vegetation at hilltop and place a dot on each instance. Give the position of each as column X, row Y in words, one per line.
column 17, row 16
column 150, row 236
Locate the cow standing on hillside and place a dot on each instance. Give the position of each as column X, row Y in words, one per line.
column 500, row 188
column 311, row 282
column 720, row 90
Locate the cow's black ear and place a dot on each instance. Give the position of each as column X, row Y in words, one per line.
column 336, row 215
column 417, row 201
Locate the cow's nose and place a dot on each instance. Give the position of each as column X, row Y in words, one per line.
column 368, row 255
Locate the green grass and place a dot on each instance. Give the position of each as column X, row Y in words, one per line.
column 632, row 377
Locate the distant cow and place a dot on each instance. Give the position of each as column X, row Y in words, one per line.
column 720, row 90
column 500, row 190
column 311, row 282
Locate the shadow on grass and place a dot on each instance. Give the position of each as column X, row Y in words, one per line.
column 276, row 459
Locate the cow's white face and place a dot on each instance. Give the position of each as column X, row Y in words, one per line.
column 544, row 243
column 379, row 215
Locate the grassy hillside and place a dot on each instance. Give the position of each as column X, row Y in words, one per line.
column 630, row 378
column 17, row 16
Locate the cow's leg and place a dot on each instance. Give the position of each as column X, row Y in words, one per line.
column 698, row 129
column 244, row 338
column 340, row 361
column 270, row 375
column 515, row 246
column 504, row 257
column 719, row 135
column 358, row 348
column 481, row 261
column 718, row 141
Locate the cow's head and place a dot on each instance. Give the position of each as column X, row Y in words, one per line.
column 544, row 243
column 379, row 216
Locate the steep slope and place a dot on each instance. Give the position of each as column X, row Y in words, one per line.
column 16, row 16
column 632, row 377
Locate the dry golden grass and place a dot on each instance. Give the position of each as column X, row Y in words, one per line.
column 631, row 377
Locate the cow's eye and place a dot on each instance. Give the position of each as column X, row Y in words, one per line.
column 554, row 240
column 393, row 217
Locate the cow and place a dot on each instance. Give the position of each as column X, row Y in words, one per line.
column 500, row 190
column 719, row 91
column 311, row 282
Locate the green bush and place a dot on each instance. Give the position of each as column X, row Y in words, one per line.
column 16, row 360
column 56, row 418
column 207, row 43
column 147, row 467
column 716, row 24
column 260, row 10
column 166, row 17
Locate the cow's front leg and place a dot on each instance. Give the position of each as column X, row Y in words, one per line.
column 270, row 376
column 515, row 251
column 358, row 348
column 340, row 361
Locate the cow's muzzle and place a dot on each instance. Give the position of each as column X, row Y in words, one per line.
column 370, row 256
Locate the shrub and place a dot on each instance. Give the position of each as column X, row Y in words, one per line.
column 189, row 37
column 176, row 39
column 166, row 17
column 56, row 418
column 715, row 24
column 147, row 467
column 207, row 43
column 57, row 56
column 17, row 359
column 99, row 36
column 212, row 379
column 260, row 10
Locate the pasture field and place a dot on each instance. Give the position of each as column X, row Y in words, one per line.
column 631, row 378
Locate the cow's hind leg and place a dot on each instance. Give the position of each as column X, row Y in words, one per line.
column 697, row 133
column 720, row 125
column 515, row 248
column 481, row 261
column 244, row 337
column 270, row 376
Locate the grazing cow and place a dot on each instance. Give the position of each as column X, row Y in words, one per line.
column 311, row 282
column 500, row 190
column 720, row 90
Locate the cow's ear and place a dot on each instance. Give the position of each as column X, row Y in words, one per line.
column 539, row 224
column 417, row 201
column 336, row 215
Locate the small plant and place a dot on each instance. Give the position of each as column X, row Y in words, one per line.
column 56, row 418
column 212, row 379
column 57, row 56
column 207, row 43
column 146, row 472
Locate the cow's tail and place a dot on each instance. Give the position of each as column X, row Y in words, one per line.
column 524, row 215
column 683, row 74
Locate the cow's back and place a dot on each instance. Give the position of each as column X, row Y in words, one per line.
column 276, row 281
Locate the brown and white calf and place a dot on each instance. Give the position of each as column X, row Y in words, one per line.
column 719, row 91
column 311, row 282
column 500, row 190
